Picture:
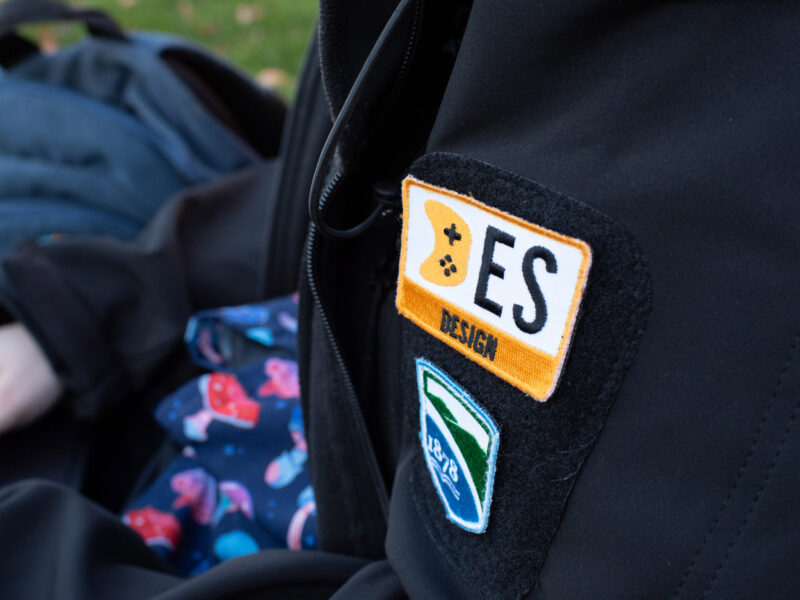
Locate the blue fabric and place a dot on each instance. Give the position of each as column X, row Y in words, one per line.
column 98, row 136
column 211, row 335
column 241, row 484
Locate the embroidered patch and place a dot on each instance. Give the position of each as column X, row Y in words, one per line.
column 459, row 440
column 502, row 291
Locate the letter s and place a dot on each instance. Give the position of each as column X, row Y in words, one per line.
column 533, row 288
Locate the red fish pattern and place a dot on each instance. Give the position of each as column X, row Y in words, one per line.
column 224, row 400
column 155, row 527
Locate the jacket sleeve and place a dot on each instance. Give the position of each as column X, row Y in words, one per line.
column 109, row 313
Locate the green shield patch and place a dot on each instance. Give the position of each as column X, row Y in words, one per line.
column 460, row 441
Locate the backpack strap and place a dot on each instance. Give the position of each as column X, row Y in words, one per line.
column 15, row 48
column 15, row 13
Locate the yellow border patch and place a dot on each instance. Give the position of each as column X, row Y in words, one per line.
column 502, row 291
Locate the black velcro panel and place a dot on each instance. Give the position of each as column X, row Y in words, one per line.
column 542, row 445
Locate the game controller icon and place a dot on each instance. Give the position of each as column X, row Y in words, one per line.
column 447, row 265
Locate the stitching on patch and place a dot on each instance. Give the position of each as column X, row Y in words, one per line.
column 550, row 367
column 735, row 485
column 549, row 233
column 490, row 461
column 642, row 293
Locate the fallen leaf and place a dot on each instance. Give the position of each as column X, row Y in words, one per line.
column 247, row 14
column 186, row 10
column 47, row 40
column 272, row 78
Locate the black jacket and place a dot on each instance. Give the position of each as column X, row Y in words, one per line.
column 665, row 136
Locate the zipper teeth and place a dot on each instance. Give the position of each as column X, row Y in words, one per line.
column 361, row 429
column 404, row 66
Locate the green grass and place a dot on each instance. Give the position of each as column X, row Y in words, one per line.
column 266, row 38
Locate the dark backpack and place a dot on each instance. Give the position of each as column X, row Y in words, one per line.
column 97, row 136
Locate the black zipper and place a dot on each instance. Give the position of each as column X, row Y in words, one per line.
column 361, row 433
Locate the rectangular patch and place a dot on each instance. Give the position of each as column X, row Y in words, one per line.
column 502, row 291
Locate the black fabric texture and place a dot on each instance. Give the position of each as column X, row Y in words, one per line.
column 306, row 129
column 28, row 453
column 717, row 563
column 542, row 445
column 422, row 566
column 14, row 49
column 375, row 90
column 377, row 580
column 333, row 375
column 349, row 519
column 347, row 31
column 350, row 385
column 394, row 97
column 110, row 314
column 678, row 120
column 53, row 525
column 88, row 554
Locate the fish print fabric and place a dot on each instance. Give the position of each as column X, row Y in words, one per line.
column 241, row 484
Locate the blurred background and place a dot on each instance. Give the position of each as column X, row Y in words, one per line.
column 266, row 38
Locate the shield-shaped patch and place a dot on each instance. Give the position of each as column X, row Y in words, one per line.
column 460, row 442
